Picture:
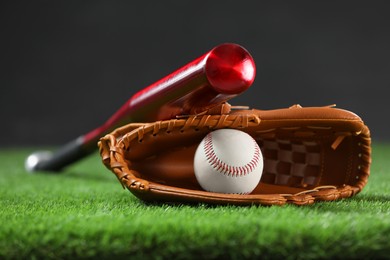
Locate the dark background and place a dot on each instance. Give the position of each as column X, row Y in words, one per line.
column 66, row 66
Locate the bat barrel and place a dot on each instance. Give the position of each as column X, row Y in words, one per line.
column 230, row 69
column 217, row 76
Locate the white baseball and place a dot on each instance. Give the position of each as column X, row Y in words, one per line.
column 228, row 161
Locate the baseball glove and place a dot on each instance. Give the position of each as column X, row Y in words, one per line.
column 310, row 154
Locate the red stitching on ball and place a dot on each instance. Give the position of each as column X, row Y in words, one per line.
column 225, row 168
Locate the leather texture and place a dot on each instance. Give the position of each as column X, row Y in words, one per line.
column 310, row 154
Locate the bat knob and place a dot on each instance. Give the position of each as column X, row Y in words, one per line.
column 36, row 158
column 230, row 69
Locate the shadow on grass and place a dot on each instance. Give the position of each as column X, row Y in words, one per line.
column 194, row 204
column 360, row 203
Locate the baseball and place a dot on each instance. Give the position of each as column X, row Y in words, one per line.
column 228, row 161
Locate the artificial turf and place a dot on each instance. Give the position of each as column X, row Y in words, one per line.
column 84, row 213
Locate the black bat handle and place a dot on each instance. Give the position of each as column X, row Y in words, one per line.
column 54, row 162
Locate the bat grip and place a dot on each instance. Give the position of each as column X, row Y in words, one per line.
column 54, row 162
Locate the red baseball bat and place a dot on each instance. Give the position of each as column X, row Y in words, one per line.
column 215, row 77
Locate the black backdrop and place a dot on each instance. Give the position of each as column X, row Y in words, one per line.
column 66, row 66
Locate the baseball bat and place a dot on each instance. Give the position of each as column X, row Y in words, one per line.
column 222, row 73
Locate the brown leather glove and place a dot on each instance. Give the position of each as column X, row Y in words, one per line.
column 310, row 154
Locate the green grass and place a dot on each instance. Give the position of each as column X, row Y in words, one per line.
column 84, row 213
